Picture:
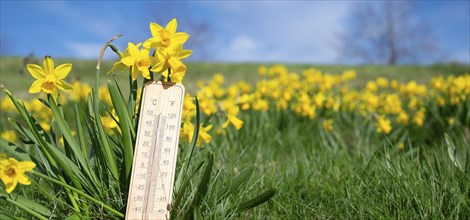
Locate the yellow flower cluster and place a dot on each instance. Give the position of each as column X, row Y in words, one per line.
column 313, row 94
column 43, row 114
column 39, row 110
column 166, row 45
column 215, row 100
column 450, row 91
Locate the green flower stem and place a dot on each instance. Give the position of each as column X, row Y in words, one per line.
column 71, row 197
column 100, row 203
column 169, row 75
column 106, row 148
column 28, row 210
column 114, row 48
column 133, row 102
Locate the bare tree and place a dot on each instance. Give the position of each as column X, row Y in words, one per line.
column 387, row 32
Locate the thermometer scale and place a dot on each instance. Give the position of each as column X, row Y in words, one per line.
column 154, row 163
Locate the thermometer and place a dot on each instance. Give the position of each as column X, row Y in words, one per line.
column 156, row 147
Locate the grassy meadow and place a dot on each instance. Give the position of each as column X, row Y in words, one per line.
column 14, row 68
column 335, row 152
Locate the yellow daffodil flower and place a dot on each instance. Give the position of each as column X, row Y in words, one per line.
column 203, row 133
column 104, row 95
column 80, row 91
column 260, row 105
column 139, row 60
column 165, row 37
column 187, row 132
column 403, row 118
column 262, row 70
column 451, row 121
column 7, row 105
column 328, row 125
column 383, row 125
column 48, row 78
column 171, row 58
column 110, row 122
column 9, row 135
column 233, row 120
column 401, row 146
column 12, row 172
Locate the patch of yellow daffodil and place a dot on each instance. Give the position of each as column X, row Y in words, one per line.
column 315, row 95
column 9, row 135
column 12, row 172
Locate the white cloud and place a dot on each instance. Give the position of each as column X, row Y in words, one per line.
column 86, row 50
column 301, row 32
column 242, row 48
column 242, row 43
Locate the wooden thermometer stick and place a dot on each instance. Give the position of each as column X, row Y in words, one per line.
column 156, row 148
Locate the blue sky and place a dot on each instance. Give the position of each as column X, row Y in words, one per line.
column 264, row 31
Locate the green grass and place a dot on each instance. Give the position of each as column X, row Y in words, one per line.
column 316, row 179
column 347, row 174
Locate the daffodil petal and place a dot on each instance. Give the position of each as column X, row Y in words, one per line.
column 133, row 50
column 150, row 43
column 11, row 186
column 128, row 61
column 6, row 179
column 161, row 54
column 176, row 64
column 144, row 53
column 63, row 85
column 171, row 26
column 26, row 165
column 62, row 70
column 145, row 73
column 208, row 128
column 36, row 71
column 48, row 65
column 180, row 38
column 135, row 72
column 236, row 122
column 184, row 54
column 55, row 94
column 225, row 124
column 126, row 53
column 118, row 65
column 23, row 179
column 36, row 86
column 159, row 67
column 177, row 76
column 155, row 28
